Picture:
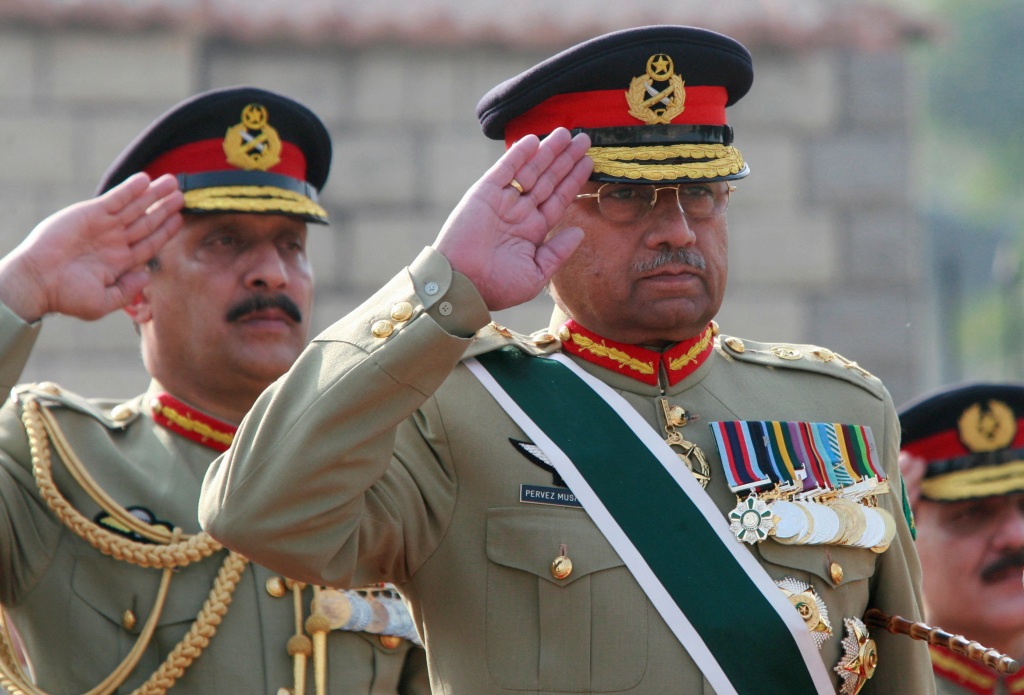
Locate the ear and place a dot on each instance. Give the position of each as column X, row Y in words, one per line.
column 139, row 309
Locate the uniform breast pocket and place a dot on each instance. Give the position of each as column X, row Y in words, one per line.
column 111, row 602
column 584, row 632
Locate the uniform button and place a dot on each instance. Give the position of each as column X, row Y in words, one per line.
column 835, row 570
column 431, row 288
column 277, row 587
column 155, row 406
column 128, row 620
column 444, row 308
column 390, row 641
column 561, row 567
column 544, row 339
column 564, row 334
column 122, row 412
column 382, row 329
column 735, row 344
column 401, row 311
column 50, row 388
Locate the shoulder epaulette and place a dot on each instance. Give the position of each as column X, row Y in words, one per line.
column 494, row 337
column 810, row 358
column 113, row 414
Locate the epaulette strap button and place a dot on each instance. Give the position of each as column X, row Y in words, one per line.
column 50, row 388
column 735, row 344
column 122, row 412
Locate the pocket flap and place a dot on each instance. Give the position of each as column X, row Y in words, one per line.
column 856, row 563
column 530, row 539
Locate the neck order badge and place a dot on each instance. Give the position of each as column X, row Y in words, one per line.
column 534, row 392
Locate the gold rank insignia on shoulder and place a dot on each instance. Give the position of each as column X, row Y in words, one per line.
column 660, row 104
column 253, row 143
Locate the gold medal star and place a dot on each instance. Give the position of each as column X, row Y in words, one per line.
column 860, row 657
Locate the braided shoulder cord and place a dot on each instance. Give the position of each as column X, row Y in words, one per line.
column 172, row 555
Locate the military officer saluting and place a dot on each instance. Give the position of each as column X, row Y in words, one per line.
column 963, row 460
column 104, row 571
column 626, row 501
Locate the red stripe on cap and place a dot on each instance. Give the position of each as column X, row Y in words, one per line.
column 946, row 445
column 608, row 109
column 208, row 155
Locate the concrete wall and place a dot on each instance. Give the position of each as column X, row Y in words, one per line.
column 824, row 241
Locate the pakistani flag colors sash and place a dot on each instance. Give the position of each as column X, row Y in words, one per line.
column 722, row 606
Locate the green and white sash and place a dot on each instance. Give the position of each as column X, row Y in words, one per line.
column 723, row 607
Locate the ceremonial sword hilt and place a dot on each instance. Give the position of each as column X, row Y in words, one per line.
column 939, row 637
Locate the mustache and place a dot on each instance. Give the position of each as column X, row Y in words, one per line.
column 1014, row 560
column 683, row 256
column 259, row 302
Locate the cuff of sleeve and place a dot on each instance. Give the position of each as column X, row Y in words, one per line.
column 449, row 297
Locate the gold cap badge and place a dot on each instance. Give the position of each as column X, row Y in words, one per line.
column 656, row 104
column 987, row 427
column 253, row 143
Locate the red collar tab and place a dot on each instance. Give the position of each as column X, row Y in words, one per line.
column 970, row 675
column 680, row 361
column 189, row 423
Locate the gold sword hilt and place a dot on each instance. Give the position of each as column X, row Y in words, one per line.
column 934, row 635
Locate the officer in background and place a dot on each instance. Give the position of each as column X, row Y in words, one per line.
column 105, row 573
column 626, row 501
column 963, row 461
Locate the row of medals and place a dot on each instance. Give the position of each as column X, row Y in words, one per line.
column 791, row 516
column 846, row 517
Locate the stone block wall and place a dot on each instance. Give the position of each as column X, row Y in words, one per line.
column 823, row 235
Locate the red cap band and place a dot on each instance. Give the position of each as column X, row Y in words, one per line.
column 208, row 155
column 608, row 109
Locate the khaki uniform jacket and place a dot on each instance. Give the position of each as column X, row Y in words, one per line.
column 68, row 600
column 379, row 456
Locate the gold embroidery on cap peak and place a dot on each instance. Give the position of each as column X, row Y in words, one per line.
column 987, row 427
column 643, row 97
column 630, row 162
column 253, row 143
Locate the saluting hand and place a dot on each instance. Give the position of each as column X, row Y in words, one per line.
column 87, row 260
column 497, row 236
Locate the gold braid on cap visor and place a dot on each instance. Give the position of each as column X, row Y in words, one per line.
column 984, row 481
column 252, row 199
column 633, row 162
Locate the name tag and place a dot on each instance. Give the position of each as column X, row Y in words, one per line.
column 539, row 494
